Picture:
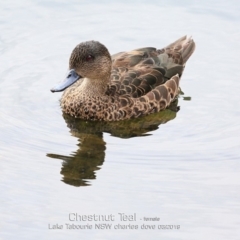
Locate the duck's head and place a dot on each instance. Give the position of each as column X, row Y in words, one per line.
column 90, row 60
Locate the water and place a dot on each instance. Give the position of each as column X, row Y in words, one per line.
column 184, row 171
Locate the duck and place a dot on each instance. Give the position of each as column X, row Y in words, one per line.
column 126, row 85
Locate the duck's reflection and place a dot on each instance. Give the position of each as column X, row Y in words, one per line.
column 81, row 166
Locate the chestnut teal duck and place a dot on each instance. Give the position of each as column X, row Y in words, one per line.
column 101, row 87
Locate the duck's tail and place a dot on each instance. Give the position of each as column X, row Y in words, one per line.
column 184, row 45
column 173, row 57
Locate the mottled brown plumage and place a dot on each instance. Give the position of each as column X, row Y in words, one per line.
column 126, row 85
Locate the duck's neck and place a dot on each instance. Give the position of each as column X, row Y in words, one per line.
column 94, row 87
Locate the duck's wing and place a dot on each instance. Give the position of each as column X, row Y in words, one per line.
column 138, row 72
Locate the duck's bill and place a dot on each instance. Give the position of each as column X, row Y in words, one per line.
column 71, row 78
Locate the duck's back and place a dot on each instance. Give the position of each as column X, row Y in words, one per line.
column 138, row 72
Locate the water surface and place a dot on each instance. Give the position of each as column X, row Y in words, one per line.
column 180, row 167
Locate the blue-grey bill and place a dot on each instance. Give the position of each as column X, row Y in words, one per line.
column 71, row 78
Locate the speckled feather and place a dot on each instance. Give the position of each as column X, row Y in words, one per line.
column 139, row 82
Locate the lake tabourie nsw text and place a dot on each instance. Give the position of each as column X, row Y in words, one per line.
column 108, row 222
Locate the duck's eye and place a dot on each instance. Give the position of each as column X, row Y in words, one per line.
column 89, row 58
